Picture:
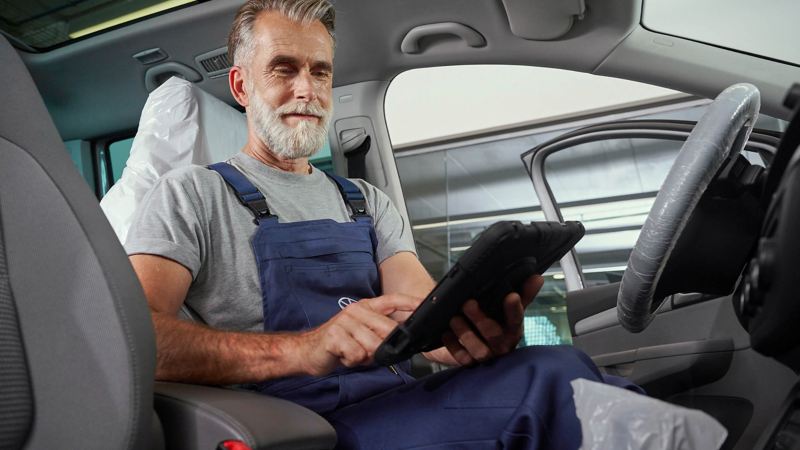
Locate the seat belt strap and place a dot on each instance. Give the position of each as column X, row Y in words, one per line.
column 357, row 160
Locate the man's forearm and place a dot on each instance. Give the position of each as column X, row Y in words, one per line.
column 193, row 353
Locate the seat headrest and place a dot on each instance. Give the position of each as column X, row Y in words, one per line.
column 180, row 125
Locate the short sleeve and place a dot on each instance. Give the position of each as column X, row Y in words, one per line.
column 392, row 230
column 170, row 223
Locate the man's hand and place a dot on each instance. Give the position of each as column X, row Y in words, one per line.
column 465, row 346
column 351, row 337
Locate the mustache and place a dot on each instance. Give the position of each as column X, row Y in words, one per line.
column 305, row 108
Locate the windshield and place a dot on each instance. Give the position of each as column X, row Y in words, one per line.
column 43, row 24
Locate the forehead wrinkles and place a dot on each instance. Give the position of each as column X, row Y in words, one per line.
column 289, row 47
column 271, row 47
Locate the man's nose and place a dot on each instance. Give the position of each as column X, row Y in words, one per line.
column 304, row 86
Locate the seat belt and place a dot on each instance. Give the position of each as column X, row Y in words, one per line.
column 356, row 156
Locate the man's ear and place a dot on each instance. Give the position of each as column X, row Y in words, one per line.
column 236, row 83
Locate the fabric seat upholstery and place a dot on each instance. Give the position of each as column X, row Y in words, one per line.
column 84, row 327
column 77, row 347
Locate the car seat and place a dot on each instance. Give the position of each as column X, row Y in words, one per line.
column 77, row 351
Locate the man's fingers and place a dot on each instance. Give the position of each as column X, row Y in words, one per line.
column 364, row 328
column 366, row 338
column 379, row 323
column 530, row 288
column 515, row 312
column 474, row 345
column 459, row 353
column 387, row 304
column 400, row 316
column 490, row 330
column 342, row 344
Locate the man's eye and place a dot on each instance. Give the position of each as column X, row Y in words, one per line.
column 321, row 74
column 284, row 70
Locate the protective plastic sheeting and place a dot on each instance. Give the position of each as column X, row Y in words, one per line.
column 180, row 125
column 615, row 418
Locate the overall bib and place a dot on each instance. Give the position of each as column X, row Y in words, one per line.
column 310, row 270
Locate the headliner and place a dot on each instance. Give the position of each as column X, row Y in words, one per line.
column 94, row 87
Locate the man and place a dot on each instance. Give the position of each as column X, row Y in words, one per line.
column 329, row 281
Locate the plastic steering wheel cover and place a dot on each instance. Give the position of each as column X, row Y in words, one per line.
column 721, row 132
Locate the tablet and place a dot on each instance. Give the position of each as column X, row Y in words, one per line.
column 497, row 263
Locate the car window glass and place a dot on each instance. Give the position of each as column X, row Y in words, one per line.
column 610, row 185
column 119, row 152
column 486, row 116
column 322, row 159
column 457, row 181
column 439, row 103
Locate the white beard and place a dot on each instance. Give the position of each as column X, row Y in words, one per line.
column 286, row 142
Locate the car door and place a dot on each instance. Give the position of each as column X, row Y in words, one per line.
column 695, row 353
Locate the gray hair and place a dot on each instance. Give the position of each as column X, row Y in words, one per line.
column 240, row 40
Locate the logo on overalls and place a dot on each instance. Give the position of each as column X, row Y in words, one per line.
column 345, row 301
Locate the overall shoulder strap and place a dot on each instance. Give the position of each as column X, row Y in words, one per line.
column 352, row 196
column 246, row 192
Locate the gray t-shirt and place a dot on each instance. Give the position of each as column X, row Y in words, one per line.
column 192, row 217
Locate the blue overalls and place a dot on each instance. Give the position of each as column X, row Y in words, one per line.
column 310, row 270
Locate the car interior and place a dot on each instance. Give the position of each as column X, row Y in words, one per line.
column 699, row 308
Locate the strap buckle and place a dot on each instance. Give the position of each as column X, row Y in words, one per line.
column 359, row 208
column 259, row 208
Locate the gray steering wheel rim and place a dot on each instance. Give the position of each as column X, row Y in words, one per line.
column 722, row 131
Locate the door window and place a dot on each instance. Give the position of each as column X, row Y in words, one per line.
column 608, row 176
column 458, row 133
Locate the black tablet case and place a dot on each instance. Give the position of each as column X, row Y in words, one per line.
column 498, row 262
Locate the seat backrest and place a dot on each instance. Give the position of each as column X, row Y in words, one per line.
column 73, row 321
column 180, row 125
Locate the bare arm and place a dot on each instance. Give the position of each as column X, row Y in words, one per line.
column 194, row 353
column 404, row 274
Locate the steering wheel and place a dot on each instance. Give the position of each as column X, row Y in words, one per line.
column 721, row 132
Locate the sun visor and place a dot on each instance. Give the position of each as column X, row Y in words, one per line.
column 180, row 125
column 543, row 20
